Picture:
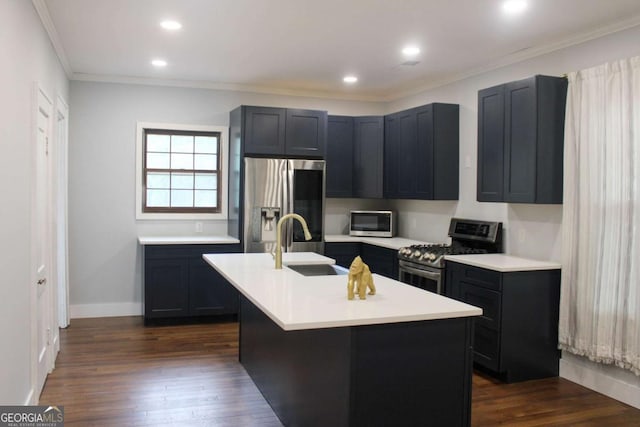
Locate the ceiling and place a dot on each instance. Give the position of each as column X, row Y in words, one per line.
column 306, row 47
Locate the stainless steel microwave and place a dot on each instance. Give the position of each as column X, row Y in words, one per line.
column 372, row 223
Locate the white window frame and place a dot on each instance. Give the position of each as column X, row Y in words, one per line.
column 224, row 148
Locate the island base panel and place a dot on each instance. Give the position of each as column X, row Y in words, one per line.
column 400, row 374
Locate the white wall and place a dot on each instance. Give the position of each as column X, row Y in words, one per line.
column 26, row 56
column 530, row 230
column 105, row 259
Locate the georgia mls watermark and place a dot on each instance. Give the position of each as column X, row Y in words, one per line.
column 31, row 416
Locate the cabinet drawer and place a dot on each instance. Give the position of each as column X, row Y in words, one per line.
column 187, row 251
column 487, row 300
column 486, row 347
column 481, row 277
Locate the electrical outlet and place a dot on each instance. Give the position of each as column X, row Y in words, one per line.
column 198, row 227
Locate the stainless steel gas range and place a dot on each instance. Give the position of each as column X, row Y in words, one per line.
column 423, row 265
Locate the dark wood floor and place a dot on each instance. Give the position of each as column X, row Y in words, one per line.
column 116, row 372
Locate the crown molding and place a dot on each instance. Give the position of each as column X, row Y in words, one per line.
column 50, row 28
column 233, row 87
column 520, row 56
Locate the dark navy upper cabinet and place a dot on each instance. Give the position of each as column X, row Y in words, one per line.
column 521, row 141
column 422, row 153
column 306, row 133
column 491, row 144
column 264, row 130
column 339, row 157
column 269, row 131
column 368, row 157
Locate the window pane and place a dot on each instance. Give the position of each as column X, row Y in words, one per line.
column 158, row 143
column 182, row 180
column 206, row 144
column 206, row 181
column 206, row 161
column 206, row 199
column 181, row 161
column 181, row 198
column 157, row 198
column 182, row 143
column 157, row 161
column 157, row 180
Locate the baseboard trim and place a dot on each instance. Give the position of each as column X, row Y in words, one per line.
column 600, row 378
column 80, row 311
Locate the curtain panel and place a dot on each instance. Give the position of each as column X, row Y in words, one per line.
column 600, row 297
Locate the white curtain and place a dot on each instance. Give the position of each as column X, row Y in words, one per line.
column 600, row 297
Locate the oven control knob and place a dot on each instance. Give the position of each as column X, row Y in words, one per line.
column 432, row 256
column 416, row 254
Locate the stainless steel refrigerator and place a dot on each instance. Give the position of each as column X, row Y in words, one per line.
column 276, row 187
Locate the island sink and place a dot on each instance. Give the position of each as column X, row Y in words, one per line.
column 318, row 269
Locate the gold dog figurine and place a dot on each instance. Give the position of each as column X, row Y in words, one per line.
column 360, row 279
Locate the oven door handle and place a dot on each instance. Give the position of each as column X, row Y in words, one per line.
column 418, row 272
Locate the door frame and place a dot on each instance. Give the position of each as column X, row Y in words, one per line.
column 60, row 202
column 39, row 94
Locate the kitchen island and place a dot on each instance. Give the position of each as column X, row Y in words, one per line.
column 402, row 357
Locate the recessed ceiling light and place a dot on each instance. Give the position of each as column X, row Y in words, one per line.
column 171, row 25
column 350, row 79
column 411, row 50
column 159, row 63
column 513, row 7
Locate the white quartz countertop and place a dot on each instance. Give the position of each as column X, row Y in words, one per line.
column 504, row 263
column 385, row 242
column 186, row 240
column 296, row 302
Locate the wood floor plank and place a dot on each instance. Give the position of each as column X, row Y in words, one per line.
column 117, row 372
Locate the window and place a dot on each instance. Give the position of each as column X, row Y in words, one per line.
column 180, row 171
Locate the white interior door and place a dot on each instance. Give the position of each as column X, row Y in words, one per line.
column 41, row 243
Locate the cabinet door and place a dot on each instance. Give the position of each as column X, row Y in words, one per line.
column 446, row 150
column 264, row 130
column 342, row 252
column 400, row 148
column 520, row 141
column 406, row 152
column 306, row 133
column 368, row 153
column 382, row 261
column 490, row 185
column 166, row 292
column 425, row 167
column 209, row 292
column 391, row 135
column 339, row 157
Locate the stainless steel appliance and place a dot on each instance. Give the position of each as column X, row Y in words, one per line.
column 276, row 187
column 423, row 265
column 372, row 223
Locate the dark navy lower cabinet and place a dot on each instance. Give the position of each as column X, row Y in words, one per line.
column 178, row 283
column 516, row 338
column 342, row 252
column 382, row 261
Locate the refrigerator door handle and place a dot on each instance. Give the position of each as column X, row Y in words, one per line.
column 289, row 196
